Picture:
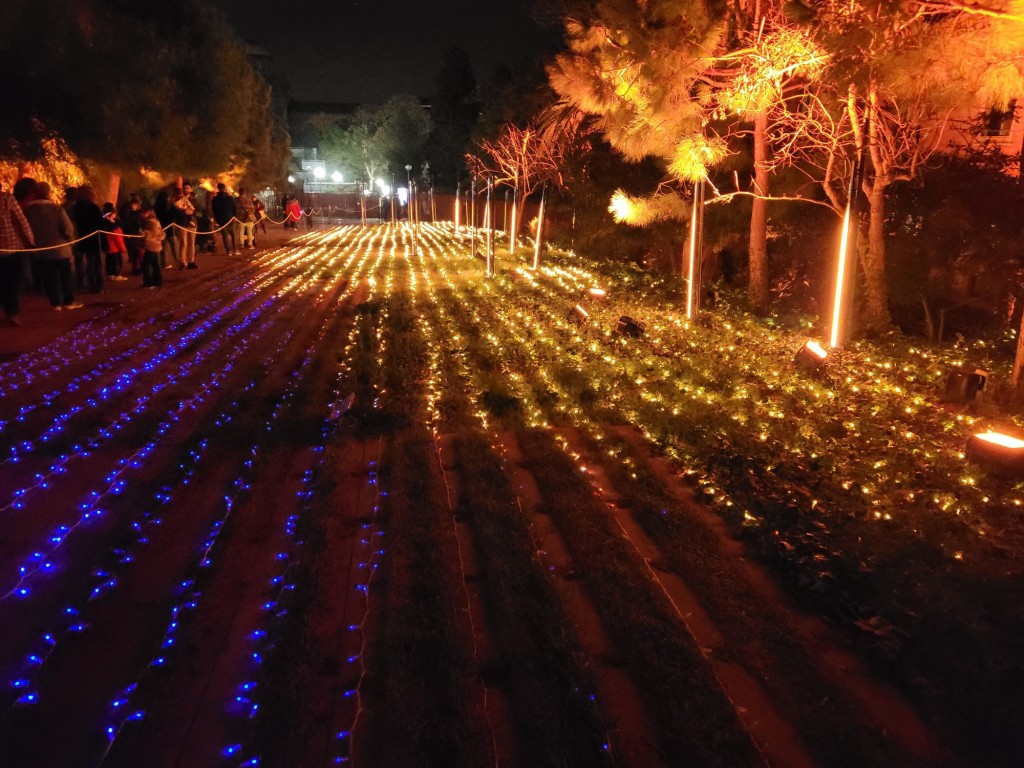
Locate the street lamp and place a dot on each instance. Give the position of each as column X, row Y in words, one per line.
column 408, row 181
column 410, row 205
column 336, row 177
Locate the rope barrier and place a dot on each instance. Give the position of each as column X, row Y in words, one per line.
column 289, row 217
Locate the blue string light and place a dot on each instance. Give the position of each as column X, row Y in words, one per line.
column 281, row 584
column 191, row 594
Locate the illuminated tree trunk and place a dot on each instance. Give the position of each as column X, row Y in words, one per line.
column 1018, row 364
column 114, row 187
column 876, row 294
column 520, row 212
column 757, row 290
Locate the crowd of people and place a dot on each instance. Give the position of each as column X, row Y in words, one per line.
column 60, row 249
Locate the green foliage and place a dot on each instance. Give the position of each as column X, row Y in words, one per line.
column 165, row 86
column 378, row 139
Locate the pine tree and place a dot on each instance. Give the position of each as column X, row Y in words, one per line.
column 640, row 69
column 896, row 73
column 676, row 81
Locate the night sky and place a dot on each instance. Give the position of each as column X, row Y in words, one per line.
column 358, row 51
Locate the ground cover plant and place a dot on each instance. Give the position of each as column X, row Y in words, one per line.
column 395, row 512
column 853, row 484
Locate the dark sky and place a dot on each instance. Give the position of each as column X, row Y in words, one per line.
column 357, row 50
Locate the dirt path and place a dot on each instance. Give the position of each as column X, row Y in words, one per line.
column 632, row 739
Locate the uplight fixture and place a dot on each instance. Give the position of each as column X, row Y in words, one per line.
column 811, row 356
column 997, row 453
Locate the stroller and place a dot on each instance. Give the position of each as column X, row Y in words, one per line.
column 204, row 238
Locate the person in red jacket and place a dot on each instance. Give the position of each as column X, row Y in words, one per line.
column 294, row 211
column 114, row 248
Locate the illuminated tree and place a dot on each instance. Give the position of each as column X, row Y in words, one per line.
column 522, row 159
column 677, row 81
column 640, row 70
column 894, row 76
column 377, row 138
column 769, row 61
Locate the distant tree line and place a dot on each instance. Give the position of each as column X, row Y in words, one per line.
column 164, row 87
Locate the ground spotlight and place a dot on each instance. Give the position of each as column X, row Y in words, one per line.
column 811, row 356
column 597, row 293
column 965, row 386
column 627, row 326
column 578, row 315
column 997, row 453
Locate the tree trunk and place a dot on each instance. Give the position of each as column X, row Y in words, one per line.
column 929, row 319
column 876, row 294
column 520, row 212
column 1018, row 363
column 114, row 187
column 757, row 291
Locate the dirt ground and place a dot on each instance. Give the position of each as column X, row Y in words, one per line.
column 211, row 557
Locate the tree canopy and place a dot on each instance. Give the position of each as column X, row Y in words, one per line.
column 162, row 86
column 377, row 139
column 676, row 80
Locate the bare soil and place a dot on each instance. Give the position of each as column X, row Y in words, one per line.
column 416, row 578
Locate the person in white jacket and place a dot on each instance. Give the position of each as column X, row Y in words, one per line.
column 153, row 236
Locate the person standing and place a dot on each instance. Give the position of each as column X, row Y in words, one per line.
column 223, row 213
column 294, row 211
column 261, row 217
column 54, row 232
column 166, row 214
column 247, row 215
column 90, row 224
column 113, row 243
column 131, row 225
column 15, row 236
column 153, row 237
column 70, row 200
column 23, row 190
column 204, row 226
column 185, row 218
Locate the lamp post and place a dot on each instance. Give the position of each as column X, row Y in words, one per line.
column 394, row 213
column 696, row 246
column 408, row 184
column 472, row 216
column 490, row 229
column 540, row 228
column 847, row 245
column 458, row 194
